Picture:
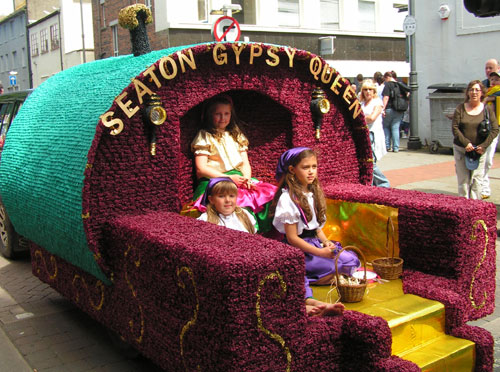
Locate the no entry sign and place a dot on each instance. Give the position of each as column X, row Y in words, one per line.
column 226, row 29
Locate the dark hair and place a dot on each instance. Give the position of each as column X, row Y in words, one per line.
column 295, row 190
column 209, row 107
column 469, row 87
column 378, row 77
column 359, row 77
column 388, row 74
column 394, row 75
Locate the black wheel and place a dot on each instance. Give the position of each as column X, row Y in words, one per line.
column 9, row 239
column 434, row 148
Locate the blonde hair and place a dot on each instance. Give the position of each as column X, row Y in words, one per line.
column 297, row 195
column 223, row 188
column 367, row 84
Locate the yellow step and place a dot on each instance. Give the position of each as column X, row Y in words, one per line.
column 417, row 326
column 446, row 353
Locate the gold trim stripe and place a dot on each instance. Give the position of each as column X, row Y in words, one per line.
column 276, row 337
column 191, row 323
column 478, row 266
column 98, row 285
column 38, row 253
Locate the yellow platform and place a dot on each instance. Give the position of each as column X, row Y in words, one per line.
column 417, row 326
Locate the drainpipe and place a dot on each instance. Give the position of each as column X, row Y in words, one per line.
column 414, row 142
column 83, row 34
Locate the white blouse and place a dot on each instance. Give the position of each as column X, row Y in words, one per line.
column 232, row 221
column 224, row 154
column 287, row 212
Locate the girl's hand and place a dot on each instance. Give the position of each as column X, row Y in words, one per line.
column 469, row 147
column 328, row 244
column 325, row 252
column 480, row 150
column 238, row 180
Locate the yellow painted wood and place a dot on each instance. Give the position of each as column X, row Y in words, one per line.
column 417, row 326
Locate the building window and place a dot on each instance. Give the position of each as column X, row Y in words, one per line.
column 148, row 3
column 15, row 63
column 103, row 14
column 202, row 10
column 54, row 36
column 366, row 15
column 44, row 41
column 329, row 14
column 2, row 64
column 248, row 12
column 114, row 30
column 34, row 44
column 288, row 13
column 23, row 57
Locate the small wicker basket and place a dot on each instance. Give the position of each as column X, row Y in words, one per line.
column 389, row 268
column 350, row 292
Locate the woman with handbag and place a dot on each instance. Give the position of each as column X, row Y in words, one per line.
column 469, row 145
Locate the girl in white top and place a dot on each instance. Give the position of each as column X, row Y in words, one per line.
column 300, row 213
column 220, row 201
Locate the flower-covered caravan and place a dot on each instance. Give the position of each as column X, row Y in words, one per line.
column 97, row 184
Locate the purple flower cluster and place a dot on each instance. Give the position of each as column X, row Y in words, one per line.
column 187, row 293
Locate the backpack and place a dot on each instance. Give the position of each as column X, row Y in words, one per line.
column 399, row 100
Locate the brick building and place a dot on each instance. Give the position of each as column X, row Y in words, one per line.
column 367, row 34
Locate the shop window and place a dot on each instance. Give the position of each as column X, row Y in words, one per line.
column 247, row 15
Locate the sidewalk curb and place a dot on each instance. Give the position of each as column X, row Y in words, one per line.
column 11, row 360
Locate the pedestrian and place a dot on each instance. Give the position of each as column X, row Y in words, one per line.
column 493, row 99
column 299, row 212
column 468, row 145
column 392, row 113
column 490, row 66
column 359, row 82
column 372, row 109
column 1, row 89
column 378, row 78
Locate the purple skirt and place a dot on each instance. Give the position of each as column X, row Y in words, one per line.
column 318, row 267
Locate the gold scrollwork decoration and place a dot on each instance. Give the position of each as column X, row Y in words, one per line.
column 274, row 336
column 191, row 323
column 39, row 254
column 137, row 263
column 478, row 266
column 99, row 285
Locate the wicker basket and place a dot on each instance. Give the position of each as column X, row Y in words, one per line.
column 389, row 268
column 350, row 292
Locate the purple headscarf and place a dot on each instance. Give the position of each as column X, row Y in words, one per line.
column 211, row 183
column 286, row 160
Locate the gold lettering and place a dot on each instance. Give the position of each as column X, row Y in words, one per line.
column 237, row 51
column 336, row 84
column 315, row 67
column 149, row 72
column 274, row 56
column 290, row 56
column 141, row 90
column 357, row 110
column 327, row 72
column 221, row 58
column 115, row 124
column 125, row 106
column 184, row 58
column 164, row 68
column 349, row 93
column 255, row 51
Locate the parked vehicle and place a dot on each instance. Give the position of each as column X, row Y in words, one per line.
column 10, row 242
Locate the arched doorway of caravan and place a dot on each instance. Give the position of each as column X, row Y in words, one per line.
column 266, row 124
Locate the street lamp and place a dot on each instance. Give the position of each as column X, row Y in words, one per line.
column 227, row 9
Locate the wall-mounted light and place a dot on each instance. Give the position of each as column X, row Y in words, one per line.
column 227, row 9
column 444, row 11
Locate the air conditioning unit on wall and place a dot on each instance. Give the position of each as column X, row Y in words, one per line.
column 326, row 46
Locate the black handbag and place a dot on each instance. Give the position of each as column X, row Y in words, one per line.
column 484, row 127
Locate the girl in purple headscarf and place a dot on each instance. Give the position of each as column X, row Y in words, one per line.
column 220, row 200
column 299, row 210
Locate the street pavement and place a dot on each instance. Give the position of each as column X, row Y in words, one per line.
column 41, row 331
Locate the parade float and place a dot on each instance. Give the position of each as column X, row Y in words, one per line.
column 97, row 167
